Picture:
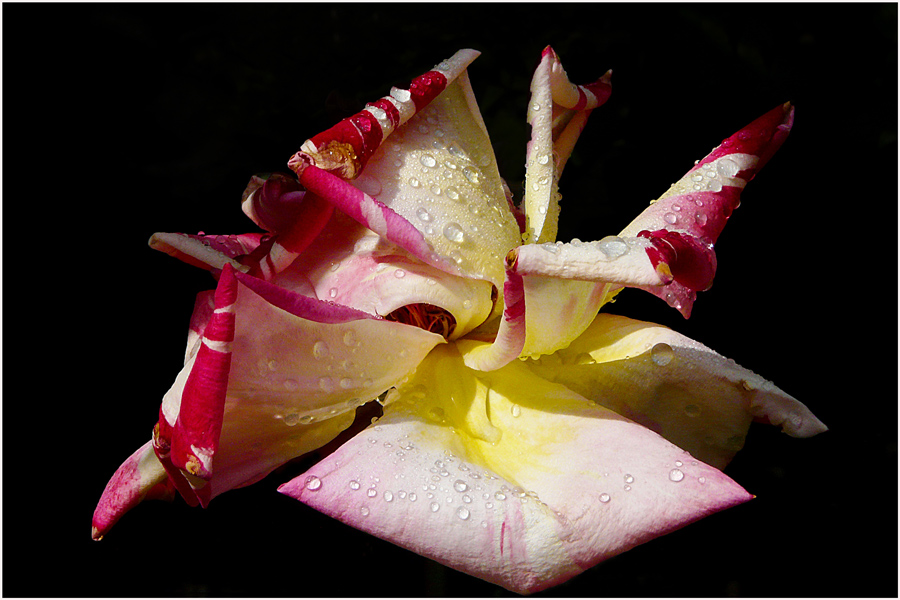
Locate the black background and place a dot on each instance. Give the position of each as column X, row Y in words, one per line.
column 123, row 120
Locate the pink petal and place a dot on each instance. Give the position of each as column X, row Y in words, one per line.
column 686, row 221
column 139, row 477
column 563, row 485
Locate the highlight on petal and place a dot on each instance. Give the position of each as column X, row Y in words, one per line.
column 682, row 390
column 141, row 476
column 686, row 221
column 509, row 477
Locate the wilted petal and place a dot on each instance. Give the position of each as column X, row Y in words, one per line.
column 686, row 221
column 509, row 477
column 684, row 391
column 140, row 476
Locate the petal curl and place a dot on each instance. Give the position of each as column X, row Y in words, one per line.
column 509, row 477
column 686, row 221
column 679, row 388
column 141, row 476
column 557, row 113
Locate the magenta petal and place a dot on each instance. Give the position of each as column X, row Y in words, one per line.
column 199, row 423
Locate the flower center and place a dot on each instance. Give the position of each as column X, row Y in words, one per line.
column 425, row 316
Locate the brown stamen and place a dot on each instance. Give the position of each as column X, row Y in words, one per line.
column 425, row 316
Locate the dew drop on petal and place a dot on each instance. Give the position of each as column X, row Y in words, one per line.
column 516, row 410
column 462, row 512
column 428, row 160
column 435, row 507
column 727, row 168
column 320, row 349
column 313, row 483
column 612, row 246
column 354, row 485
column 629, row 479
column 472, row 174
column 423, row 214
column 604, row 498
column 326, row 384
column 388, row 496
column 452, row 193
column 662, row 354
column 676, row 475
column 460, row 486
column 371, row 492
column 692, row 410
column 454, row 233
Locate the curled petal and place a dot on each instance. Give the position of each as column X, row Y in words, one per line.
column 686, row 221
column 559, row 288
column 680, row 389
column 593, row 484
column 207, row 251
column 141, row 476
column 557, row 113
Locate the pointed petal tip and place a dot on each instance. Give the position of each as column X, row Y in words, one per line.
column 96, row 535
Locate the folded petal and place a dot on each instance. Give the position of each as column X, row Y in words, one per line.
column 682, row 390
column 509, row 477
column 685, row 222
column 139, row 477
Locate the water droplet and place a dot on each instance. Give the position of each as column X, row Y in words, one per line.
column 499, row 495
column 439, row 133
column 364, row 511
column 535, row 107
column 354, row 485
column 467, row 499
column 604, row 498
column 313, row 483
column 627, row 488
column 346, row 383
column 714, row 186
column 697, row 177
column 454, row 233
column 472, row 174
column 452, row 193
column 676, row 475
column 326, row 384
column 701, row 479
column 701, row 219
column 692, row 410
column 670, row 218
column 388, row 496
column 320, row 350
column 399, row 273
column 629, row 479
column 456, row 151
column 662, row 354
column 460, row 486
column 516, row 410
column 678, row 463
column 371, row 492
column 413, row 182
column 428, row 160
column 612, row 246
column 727, row 168
column 291, row 419
column 412, row 496
column 306, row 419
column 435, row 507
column 462, row 512
column 543, row 159
column 436, row 413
